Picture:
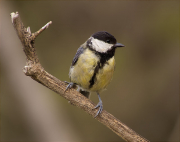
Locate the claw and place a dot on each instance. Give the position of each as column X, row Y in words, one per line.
column 100, row 109
column 70, row 85
column 100, row 105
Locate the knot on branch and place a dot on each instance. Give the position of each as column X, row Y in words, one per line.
column 33, row 69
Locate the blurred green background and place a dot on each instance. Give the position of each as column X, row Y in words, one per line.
column 144, row 92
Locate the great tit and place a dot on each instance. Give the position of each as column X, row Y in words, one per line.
column 93, row 65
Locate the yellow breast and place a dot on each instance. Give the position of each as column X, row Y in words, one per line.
column 83, row 72
column 104, row 76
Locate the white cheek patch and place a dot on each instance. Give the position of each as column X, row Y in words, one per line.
column 100, row 46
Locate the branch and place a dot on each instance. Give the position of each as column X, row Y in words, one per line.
column 34, row 69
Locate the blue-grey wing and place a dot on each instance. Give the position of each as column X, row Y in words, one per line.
column 78, row 53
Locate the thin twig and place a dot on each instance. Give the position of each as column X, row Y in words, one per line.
column 42, row 29
column 34, row 69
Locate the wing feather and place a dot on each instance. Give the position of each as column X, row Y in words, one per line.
column 78, row 53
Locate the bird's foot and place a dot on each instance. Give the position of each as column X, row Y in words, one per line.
column 100, row 105
column 70, row 85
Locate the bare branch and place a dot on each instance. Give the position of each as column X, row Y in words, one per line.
column 42, row 29
column 34, row 69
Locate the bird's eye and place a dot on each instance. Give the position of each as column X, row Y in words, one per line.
column 108, row 41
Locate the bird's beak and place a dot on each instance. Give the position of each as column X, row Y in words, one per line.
column 118, row 45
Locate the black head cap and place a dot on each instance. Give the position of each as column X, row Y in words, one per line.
column 105, row 36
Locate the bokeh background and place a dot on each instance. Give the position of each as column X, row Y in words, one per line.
column 144, row 92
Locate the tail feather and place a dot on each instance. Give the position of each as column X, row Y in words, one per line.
column 85, row 93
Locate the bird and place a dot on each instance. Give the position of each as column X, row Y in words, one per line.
column 93, row 65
